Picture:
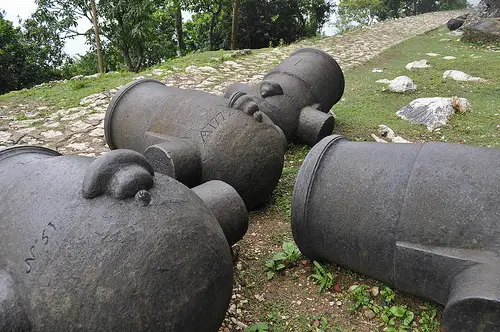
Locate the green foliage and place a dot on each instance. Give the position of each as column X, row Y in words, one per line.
column 142, row 30
column 392, row 317
column 282, row 259
column 28, row 55
column 259, row 327
column 359, row 297
column 324, row 278
column 354, row 13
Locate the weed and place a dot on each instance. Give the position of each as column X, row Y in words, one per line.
column 258, row 327
column 282, row 259
column 427, row 321
column 360, row 297
column 324, row 278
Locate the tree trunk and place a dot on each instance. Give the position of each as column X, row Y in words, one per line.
column 97, row 38
column 178, row 27
column 236, row 9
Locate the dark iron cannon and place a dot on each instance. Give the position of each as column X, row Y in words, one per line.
column 107, row 245
column 195, row 137
column 424, row 218
column 298, row 93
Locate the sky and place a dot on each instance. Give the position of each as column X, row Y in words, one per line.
column 24, row 8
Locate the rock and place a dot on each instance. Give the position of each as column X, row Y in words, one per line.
column 157, row 72
column 388, row 133
column 241, row 52
column 418, row 65
column 51, row 134
column 191, row 69
column 94, row 75
column 384, row 81
column 31, row 115
column 374, row 290
column 138, row 78
column 208, row 69
column 42, row 108
column 449, row 57
column 487, row 31
column 77, row 78
column 402, row 84
column 432, row 54
column 376, row 70
column 80, row 147
column 369, row 314
column 4, row 136
column 461, row 76
column 432, row 112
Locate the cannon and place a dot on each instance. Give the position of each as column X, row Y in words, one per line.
column 107, row 245
column 298, row 93
column 195, row 137
column 424, row 218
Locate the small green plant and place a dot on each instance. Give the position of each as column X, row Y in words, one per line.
column 388, row 295
column 258, row 327
column 78, row 84
column 427, row 320
column 391, row 315
column 282, row 259
column 324, row 278
column 359, row 297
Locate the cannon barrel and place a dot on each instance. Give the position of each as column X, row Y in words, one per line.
column 107, row 245
column 298, row 94
column 424, row 218
column 195, row 137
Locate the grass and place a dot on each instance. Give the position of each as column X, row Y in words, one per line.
column 364, row 105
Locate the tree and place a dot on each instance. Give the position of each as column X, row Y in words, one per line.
column 142, row 30
column 12, row 56
column 64, row 15
column 178, row 26
column 213, row 8
column 236, row 9
column 97, row 37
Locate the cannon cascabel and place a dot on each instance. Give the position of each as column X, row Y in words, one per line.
column 298, row 93
column 424, row 218
column 103, row 245
column 195, row 137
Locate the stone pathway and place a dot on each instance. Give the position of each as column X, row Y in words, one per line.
column 80, row 130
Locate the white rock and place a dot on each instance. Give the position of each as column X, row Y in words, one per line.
column 77, row 78
column 79, row 126
column 449, row 57
column 98, row 132
column 384, row 81
column 138, row 78
column 93, row 76
column 461, row 76
column 157, row 72
column 432, row 112
column 51, row 124
column 51, row 134
column 191, row 69
column 376, row 70
column 402, row 84
column 432, row 54
column 4, row 136
column 42, row 108
column 79, row 146
column 208, row 69
column 231, row 63
column 418, row 65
